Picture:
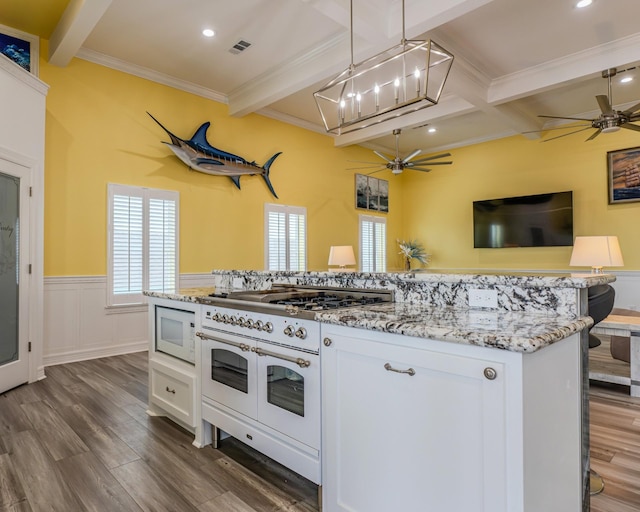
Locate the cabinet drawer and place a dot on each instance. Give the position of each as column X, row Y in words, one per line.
column 173, row 390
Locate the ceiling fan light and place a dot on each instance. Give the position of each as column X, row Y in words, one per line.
column 584, row 3
column 610, row 129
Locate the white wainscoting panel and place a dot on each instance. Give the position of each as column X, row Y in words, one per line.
column 79, row 326
column 627, row 287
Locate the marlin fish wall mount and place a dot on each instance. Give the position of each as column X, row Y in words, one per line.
column 201, row 156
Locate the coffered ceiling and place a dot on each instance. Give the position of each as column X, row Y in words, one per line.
column 514, row 59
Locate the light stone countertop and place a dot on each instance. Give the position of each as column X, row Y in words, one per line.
column 514, row 331
column 184, row 294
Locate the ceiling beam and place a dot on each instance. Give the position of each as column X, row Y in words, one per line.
column 326, row 61
column 78, row 20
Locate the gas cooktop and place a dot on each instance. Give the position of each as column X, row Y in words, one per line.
column 299, row 300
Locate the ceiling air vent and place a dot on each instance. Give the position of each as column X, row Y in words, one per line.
column 239, row 47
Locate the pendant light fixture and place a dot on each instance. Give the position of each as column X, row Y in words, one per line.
column 408, row 77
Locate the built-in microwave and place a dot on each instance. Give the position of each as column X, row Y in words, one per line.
column 175, row 333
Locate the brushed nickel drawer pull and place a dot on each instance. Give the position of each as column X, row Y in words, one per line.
column 411, row 372
column 172, row 391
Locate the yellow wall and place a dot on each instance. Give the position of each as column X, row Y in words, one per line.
column 97, row 132
column 438, row 205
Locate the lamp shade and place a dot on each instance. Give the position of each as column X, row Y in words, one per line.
column 596, row 252
column 341, row 255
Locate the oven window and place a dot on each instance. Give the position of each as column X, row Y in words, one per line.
column 285, row 389
column 229, row 369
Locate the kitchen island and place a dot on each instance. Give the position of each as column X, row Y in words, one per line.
column 491, row 402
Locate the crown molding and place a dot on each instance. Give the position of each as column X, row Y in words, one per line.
column 23, row 75
column 149, row 74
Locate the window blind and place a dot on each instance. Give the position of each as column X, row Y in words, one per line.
column 373, row 243
column 143, row 242
column 285, row 237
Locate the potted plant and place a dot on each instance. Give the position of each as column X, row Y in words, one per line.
column 413, row 250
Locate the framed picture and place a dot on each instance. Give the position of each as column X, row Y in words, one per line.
column 20, row 47
column 372, row 193
column 623, row 172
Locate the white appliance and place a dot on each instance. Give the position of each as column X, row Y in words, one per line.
column 175, row 333
column 260, row 391
column 261, row 368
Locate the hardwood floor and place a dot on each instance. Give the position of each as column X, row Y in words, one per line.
column 80, row 440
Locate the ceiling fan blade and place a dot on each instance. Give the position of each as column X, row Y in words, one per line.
column 568, row 118
column 373, row 172
column 565, row 134
column 426, row 159
column 594, row 135
column 631, row 110
column 420, row 169
column 363, row 162
column 382, row 156
column 418, row 164
column 411, row 155
column 630, row 126
column 367, row 167
column 605, row 105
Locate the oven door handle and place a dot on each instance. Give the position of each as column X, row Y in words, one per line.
column 302, row 363
column 242, row 346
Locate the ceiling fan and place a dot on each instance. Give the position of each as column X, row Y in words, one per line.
column 399, row 164
column 609, row 120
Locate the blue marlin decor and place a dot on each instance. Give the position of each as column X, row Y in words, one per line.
column 201, row 156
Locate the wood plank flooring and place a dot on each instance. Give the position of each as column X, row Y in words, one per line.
column 80, row 440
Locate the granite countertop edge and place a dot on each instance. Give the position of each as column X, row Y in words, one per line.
column 513, row 331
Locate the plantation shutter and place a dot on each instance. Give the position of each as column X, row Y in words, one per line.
column 373, row 243
column 162, row 245
column 143, row 243
column 285, row 237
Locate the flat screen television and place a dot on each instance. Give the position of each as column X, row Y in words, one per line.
column 542, row 220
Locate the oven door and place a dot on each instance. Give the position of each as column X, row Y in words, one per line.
column 289, row 393
column 229, row 371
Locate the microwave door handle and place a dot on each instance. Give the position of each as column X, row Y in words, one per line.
column 302, row 363
column 242, row 346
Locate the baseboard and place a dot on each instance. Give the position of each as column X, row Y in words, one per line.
column 73, row 356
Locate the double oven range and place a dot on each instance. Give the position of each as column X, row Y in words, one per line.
column 261, row 368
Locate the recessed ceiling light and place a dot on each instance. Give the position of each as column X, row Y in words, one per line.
column 207, row 32
column 432, row 130
column 584, row 3
column 626, row 79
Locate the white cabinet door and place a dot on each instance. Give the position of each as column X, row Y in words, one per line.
column 432, row 440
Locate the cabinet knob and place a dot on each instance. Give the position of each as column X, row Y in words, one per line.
column 327, row 342
column 490, row 373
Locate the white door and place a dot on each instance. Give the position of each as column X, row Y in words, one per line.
column 14, row 275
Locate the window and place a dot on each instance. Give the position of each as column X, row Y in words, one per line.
column 143, row 242
column 373, row 244
column 285, row 237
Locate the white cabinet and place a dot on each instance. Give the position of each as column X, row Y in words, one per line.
column 173, row 389
column 414, row 424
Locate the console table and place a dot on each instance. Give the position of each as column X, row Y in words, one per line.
column 620, row 325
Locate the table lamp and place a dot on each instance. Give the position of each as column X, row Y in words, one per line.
column 596, row 252
column 341, row 255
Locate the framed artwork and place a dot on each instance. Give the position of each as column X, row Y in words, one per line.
column 20, row 47
column 623, row 174
column 372, row 193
